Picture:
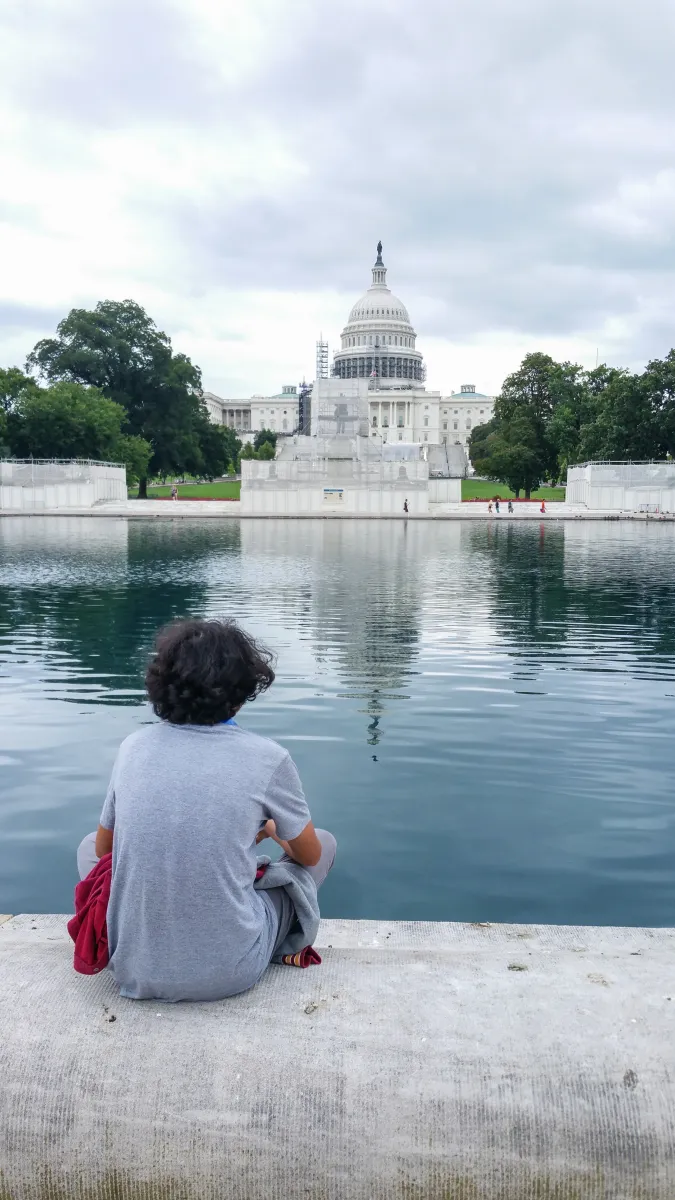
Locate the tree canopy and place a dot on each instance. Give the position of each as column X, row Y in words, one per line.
column 69, row 420
column 118, row 349
column 550, row 415
column 265, row 435
column 14, row 385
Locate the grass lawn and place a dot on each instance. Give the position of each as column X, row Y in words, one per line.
column 484, row 489
column 219, row 490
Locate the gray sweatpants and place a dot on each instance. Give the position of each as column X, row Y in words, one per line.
column 86, row 859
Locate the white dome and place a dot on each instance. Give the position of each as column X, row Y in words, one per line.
column 379, row 303
column 378, row 341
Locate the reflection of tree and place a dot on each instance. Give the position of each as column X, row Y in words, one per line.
column 102, row 603
column 550, row 585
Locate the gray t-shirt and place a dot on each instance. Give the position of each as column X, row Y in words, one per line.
column 186, row 803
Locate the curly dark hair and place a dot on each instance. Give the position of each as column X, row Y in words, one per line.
column 203, row 671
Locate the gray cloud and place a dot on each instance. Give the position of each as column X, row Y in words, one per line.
column 16, row 318
column 112, row 61
column 479, row 140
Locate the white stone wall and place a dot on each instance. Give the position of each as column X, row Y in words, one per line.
column 26, row 487
column 327, row 487
column 445, row 491
column 622, row 487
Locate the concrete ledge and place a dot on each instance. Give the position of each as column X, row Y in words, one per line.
column 420, row 1061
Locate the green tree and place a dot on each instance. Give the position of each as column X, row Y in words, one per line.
column 220, row 448
column 265, row 435
column 248, row 451
column 511, row 453
column 67, row 420
column 135, row 453
column 659, row 386
column 529, row 397
column 118, row 349
column 266, row 452
column 624, row 423
column 14, row 385
column 478, row 448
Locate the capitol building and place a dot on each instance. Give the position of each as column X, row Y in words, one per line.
column 378, row 347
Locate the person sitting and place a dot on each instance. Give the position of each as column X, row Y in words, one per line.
column 189, row 799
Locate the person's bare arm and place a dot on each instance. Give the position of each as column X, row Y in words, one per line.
column 104, row 841
column 304, row 849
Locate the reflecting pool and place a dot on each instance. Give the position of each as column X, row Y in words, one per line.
column 482, row 713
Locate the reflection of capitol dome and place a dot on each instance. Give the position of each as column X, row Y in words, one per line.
column 378, row 341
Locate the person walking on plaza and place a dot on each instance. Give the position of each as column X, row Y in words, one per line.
column 190, row 798
column 497, row 506
column 510, row 507
column 543, row 507
column 490, row 508
column 405, row 507
column 174, row 492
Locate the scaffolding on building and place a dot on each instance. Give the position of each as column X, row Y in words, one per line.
column 342, row 417
column 321, row 359
column 305, row 408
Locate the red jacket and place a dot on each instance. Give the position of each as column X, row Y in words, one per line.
column 88, row 927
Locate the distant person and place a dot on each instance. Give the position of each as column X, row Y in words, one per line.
column 190, row 797
column 490, row 508
column 405, row 506
column 510, row 506
column 174, row 492
column 543, row 507
column 497, row 507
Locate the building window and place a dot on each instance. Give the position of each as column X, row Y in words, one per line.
column 481, row 412
column 426, row 421
column 375, row 422
column 426, row 437
column 468, row 424
column 400, row 437
column 455, row 424
column 445, row 424
column 445, row 412
column 456, row 411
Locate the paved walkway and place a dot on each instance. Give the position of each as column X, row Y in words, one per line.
column 421, row 1060
column 472, row 511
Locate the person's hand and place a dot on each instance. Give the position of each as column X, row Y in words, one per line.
column 268, row 830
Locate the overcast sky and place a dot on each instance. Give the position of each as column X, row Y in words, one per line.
column 231, row 164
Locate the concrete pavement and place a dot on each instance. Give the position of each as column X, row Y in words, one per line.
column 421, row 1060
